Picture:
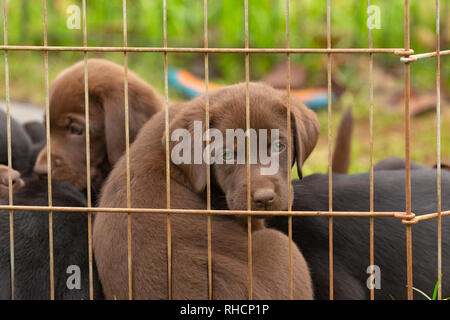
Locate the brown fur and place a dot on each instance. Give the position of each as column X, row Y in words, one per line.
column 106, row 114
column 189, row 232
column 17, row 182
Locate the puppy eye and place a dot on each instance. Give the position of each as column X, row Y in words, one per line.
column 278, row 147
column 228, row 155
column 76, row 129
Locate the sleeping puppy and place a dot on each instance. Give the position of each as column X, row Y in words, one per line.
column 107, row 120
column 187, row 191
column 20, row 145
column 31, row 246
column 351, row 234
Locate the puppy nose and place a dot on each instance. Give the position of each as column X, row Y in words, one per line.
column 263, row 198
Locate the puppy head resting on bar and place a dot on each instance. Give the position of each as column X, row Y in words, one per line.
column 229, row 237
column 107, row 120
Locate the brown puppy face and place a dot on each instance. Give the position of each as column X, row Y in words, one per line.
column 68, row 144
column 106, row 120
column 269, row 164
column 17, row 182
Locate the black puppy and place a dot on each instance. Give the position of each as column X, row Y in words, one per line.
column 21, row 145
column 31, row 246
column 36, row 132
column 351, row 234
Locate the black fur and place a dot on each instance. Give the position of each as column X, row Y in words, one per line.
column 21, row 145
column 31, row 245
column 36, row 131
column 351, row 234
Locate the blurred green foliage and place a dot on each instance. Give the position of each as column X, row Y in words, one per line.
column 267, row 28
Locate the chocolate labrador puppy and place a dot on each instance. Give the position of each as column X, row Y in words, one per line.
column 187, row 191
column 351, row 234
column 31, row 246
column 107, row 124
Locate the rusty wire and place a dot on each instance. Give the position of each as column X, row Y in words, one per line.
column 166, row 94
column 8, row 134
column 49, row 161
column 438, row 147
column 409, row 264
column 407, row 217
column 127, row 151
column 247, row 156
column 396, row 51
column 371, row 141
column 289, row 151
column 208, row 167
column 88, row 155
column 330, row 152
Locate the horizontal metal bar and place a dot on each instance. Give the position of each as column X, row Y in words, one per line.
column 424, row 55
column 397, row 51
column 400, row 215
column 431, row 215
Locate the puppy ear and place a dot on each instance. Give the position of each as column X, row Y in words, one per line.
column 191, row 112
column 143, row 103
column 306, row 131
column 114, row 116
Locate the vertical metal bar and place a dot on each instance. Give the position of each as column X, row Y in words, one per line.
column 408, row 155
column 247, row 117
column 8, row 134
column 88, row 154
column 330, row 155
column 49, row 161
column 127, row 151
column 372, row 245
column 438, row 147
column 208, row 168
column 166, row 92
column 288, row 125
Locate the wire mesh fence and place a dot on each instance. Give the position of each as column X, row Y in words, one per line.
column 408, row 218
